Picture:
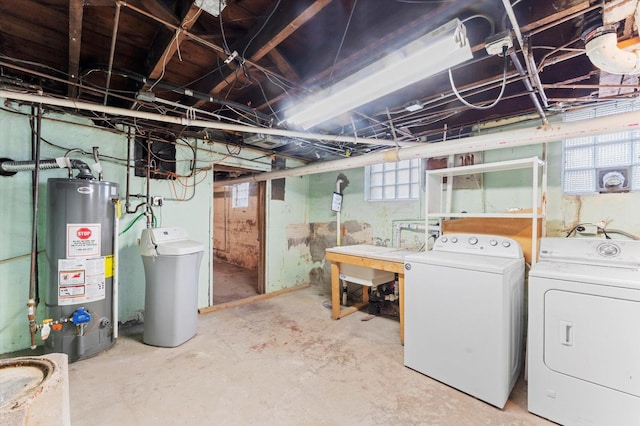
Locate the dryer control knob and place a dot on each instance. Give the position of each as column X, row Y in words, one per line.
column 454, row 240
column 506, row 244
column 493, row 242
column 444, row 239
column 473, row 241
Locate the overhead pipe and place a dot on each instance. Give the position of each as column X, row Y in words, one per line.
column 184, row 121
column 527, row 85
column 114, row 36
column 486, row 142
column 514, row 58
column 601, row 45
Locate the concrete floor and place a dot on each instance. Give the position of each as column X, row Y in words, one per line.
column 231, row 282
column 280, row 361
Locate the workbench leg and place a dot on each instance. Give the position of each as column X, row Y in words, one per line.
column 401, row 294
column 336, row 291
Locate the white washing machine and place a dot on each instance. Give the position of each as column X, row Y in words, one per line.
column 463, row 314
column 584, row 332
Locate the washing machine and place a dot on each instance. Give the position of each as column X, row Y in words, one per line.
column 464, row 314
column 584, row 332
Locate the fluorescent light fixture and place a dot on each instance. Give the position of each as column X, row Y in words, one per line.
column 432, row 53
column 213, row 7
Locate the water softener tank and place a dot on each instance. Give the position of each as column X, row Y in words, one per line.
column 80, row 240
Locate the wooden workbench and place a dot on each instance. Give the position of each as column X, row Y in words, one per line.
column 370, row 256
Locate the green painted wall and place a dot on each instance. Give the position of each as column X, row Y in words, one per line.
column 371, row 222
column 288, row 258
column 15, row 227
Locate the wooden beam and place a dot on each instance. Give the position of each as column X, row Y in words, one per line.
column 248, row 300
column 264, row 42
column 75, row 42
column 171, row 47
column 283, row 66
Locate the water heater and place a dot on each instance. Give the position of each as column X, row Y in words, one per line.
column 80, row 249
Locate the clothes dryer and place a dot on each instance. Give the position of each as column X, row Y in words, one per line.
column 584, row 332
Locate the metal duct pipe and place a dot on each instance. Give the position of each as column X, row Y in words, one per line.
column 499, row 140
column 9, row 167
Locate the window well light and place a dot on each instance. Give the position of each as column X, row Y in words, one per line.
column 213, row 7
column 432, row 53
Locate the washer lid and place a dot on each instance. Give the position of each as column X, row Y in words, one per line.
column 492, row 264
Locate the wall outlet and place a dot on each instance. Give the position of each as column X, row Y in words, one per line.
column 587, row 229
column 157, row 201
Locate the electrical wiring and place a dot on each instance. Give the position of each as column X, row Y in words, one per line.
column 486, row 18
column 244, row 51
column 35, row 64
column 264, row 95
column 185, row 185
column 176, row 39
column 495, row 102
column 344, row 35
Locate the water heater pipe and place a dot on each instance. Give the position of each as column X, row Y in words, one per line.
column 338, row 226
column 116, row 259
column 9, row 167
column 31, row 303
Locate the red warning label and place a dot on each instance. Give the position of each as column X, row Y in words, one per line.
column 83, row 240
column 84, row 233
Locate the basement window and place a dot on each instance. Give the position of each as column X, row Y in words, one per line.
column 393, row 181
column 605, row 163
column 240, row 195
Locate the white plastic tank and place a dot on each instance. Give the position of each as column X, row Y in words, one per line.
column 172, row 266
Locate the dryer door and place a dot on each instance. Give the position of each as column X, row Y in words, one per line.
column 593, row 338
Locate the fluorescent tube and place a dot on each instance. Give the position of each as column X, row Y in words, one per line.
column 434, row 52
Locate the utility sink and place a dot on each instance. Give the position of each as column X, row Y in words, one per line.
column 361, row 274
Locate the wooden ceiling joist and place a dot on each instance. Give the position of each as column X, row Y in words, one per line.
column 289, row 20
column 75, row 42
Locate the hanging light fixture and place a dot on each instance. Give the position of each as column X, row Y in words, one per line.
column 432, row 53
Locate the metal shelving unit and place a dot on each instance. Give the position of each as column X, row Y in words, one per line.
column 438, row 194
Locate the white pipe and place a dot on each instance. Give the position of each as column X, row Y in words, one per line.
column 114, row 280
column 602, row 49
column 86, row 106
column 338, row 230
column 549, row 132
